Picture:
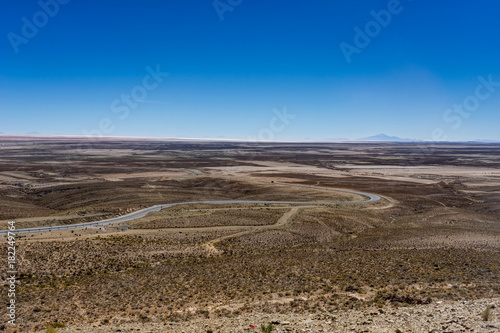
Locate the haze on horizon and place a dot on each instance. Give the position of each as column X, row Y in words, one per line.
column 251, row 69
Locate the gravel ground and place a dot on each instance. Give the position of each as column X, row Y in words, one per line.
column 446, row 316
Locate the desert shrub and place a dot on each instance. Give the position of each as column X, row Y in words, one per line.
column 56, row 325
column 267, row 328
column 487, row 314
column 51, row 327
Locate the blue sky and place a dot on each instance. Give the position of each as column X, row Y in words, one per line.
column 226, row 76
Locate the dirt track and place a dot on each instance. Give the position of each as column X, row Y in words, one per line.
column 284, row 220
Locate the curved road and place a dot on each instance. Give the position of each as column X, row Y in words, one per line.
column 143, row 212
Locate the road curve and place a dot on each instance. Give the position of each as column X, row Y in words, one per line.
column 143, row 212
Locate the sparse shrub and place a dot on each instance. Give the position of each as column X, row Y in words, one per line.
column 144, row 318
column 487, row 314
column 267, row 328
column 52, row 327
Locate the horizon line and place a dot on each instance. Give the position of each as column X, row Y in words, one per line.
column 167, row 138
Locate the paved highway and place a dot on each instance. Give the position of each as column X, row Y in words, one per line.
column 143, row 212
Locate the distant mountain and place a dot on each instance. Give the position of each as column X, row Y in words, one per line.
column 485, row 141
column 384, row 137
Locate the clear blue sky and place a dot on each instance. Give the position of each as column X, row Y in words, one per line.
column 227, row 76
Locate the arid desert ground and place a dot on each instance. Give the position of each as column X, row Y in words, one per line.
column 423, row 258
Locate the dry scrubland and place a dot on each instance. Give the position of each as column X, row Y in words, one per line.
column 425, row 257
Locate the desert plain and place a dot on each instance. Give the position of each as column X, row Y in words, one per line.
column 423, row 258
